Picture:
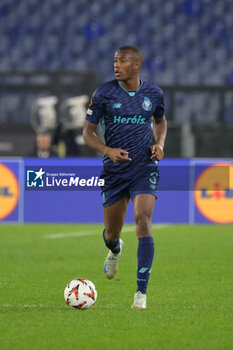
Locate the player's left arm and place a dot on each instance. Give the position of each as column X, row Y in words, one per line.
column 160, row 132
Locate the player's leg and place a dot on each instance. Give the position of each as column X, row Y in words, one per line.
column 143, row 209
column 114, row 217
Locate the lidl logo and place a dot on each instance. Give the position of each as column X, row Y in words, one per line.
column 35, row 178
column 214, row 193
column 9, row 191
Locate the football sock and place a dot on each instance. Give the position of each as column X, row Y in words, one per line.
column 145, row 259
column 114, row 246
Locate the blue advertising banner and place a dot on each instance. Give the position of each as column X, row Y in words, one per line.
column 69, row 191
column 56, row 198
column 60, row 203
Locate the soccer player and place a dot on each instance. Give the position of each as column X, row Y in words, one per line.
column 129, row 110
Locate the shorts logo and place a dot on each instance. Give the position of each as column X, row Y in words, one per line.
column 35, row 178
column 214, row 193
column 147, row 105
column 117, row 105
column 89, row 111
column 9, row 191
column 103, row 198
column 153, row 180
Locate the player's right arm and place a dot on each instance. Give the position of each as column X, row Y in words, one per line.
column 93, row 117
column 117, row 155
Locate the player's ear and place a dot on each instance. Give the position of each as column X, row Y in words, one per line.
column 137, row 64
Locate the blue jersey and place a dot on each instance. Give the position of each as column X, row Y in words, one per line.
column 126, row 119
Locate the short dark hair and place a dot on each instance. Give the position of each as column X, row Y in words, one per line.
column 134, row 49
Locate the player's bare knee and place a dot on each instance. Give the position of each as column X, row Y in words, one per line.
column 143, row 223
column 112, row 234
column 141, row 216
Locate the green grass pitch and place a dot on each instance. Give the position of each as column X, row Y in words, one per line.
column 189, row 293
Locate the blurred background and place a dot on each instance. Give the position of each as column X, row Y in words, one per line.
column 54, row 53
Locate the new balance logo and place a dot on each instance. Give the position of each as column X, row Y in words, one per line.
column 145, row 269
column 117, row 105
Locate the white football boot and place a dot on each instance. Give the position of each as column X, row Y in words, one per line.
column 139, row 301
column 111, row 262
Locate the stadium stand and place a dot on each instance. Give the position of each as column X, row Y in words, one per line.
column 184, row 42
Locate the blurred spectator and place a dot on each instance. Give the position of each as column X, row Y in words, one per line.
column 44, row 146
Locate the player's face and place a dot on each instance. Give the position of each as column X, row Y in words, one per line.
column 126, row 65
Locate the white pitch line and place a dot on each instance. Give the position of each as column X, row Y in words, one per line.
column 133, row 228
column 24, row 305
column 90, row 233
column 160, row 225
column 71, row 234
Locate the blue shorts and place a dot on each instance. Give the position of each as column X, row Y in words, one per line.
column 136, row 181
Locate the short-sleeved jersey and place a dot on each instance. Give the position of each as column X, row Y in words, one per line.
column 126, row 119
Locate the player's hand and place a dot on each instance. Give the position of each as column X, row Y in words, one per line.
column 157, row 152
column 118, row 155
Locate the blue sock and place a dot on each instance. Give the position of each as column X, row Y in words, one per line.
column 145, row 259
column 114, row 246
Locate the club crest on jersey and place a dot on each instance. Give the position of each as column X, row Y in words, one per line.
column 147, row 105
